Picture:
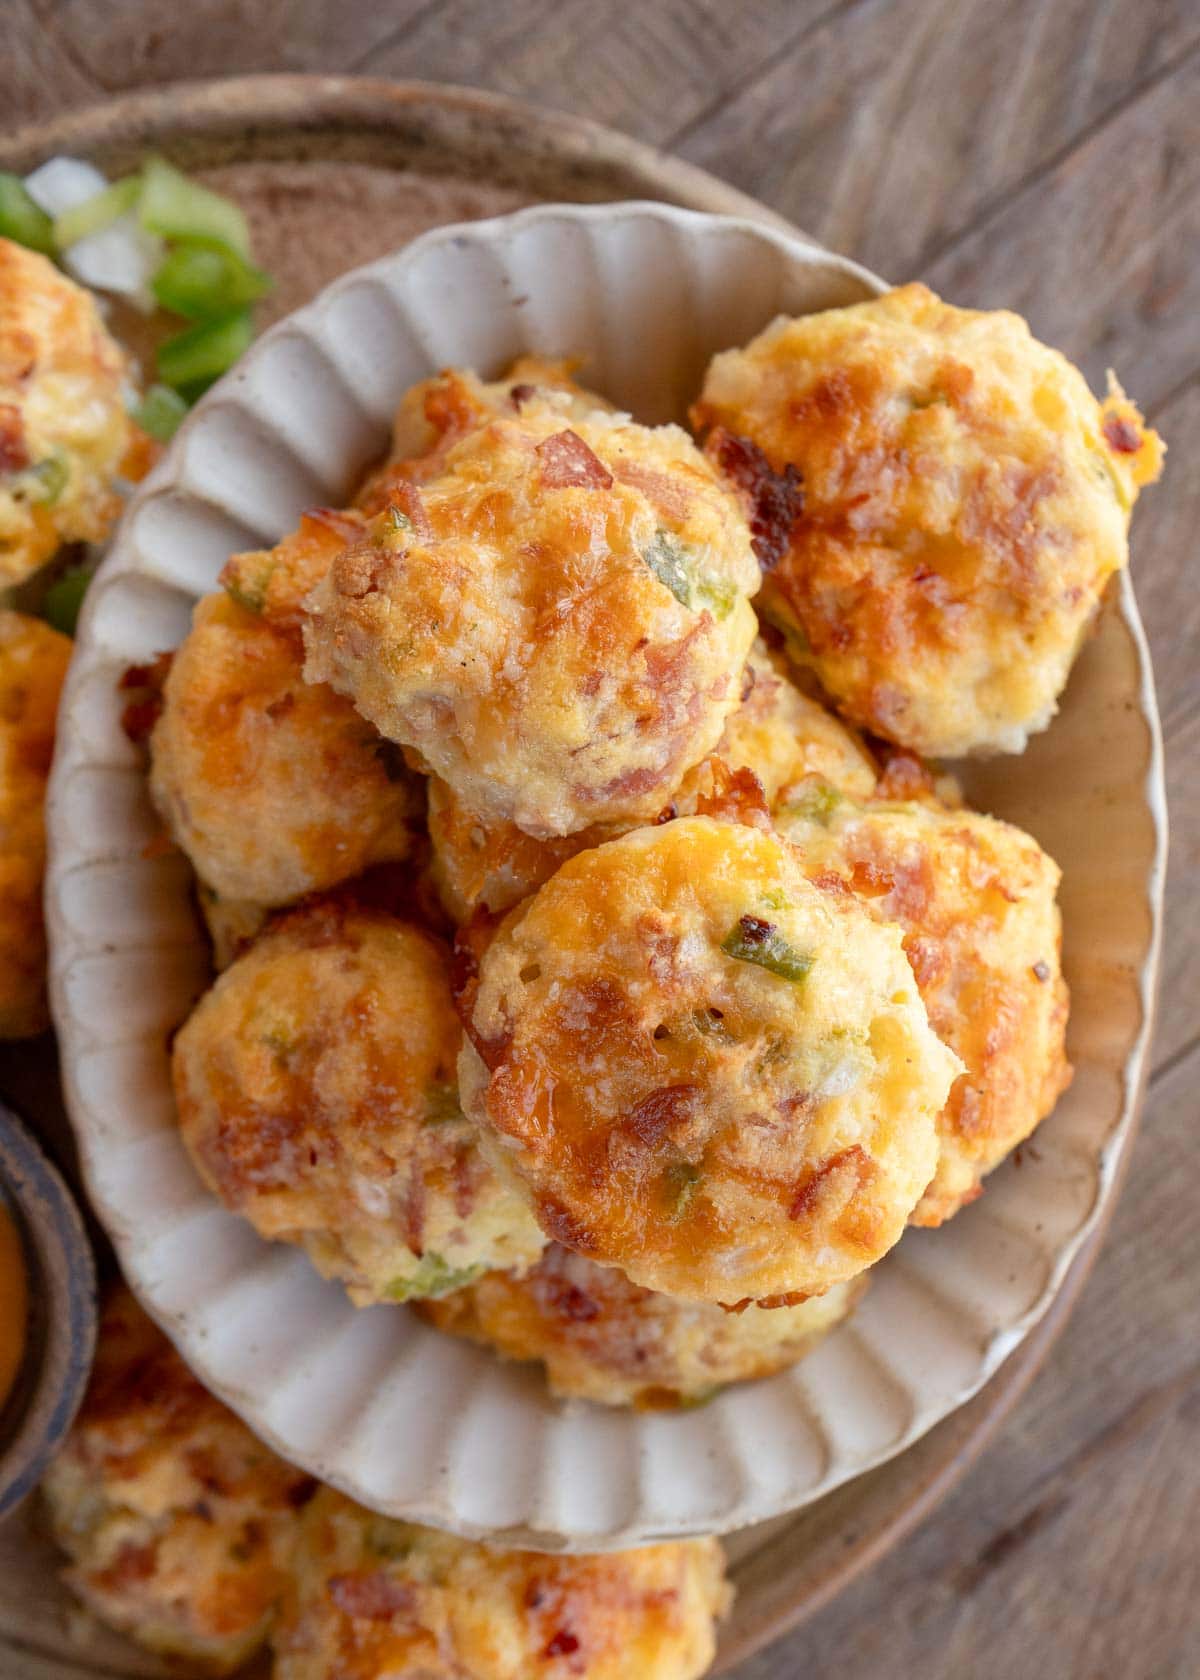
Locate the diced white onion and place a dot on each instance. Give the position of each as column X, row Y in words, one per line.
column 842, row 1077
column 371, row 1196
column 63, row 183
column 121, row 258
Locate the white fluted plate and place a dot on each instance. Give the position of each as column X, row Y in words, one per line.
column 403, row 1418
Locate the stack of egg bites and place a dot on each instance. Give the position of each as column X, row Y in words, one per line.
column 65, row 439
column 604, row 968
column 189, row 1535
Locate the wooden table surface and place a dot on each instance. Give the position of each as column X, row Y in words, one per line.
column 1040, row 154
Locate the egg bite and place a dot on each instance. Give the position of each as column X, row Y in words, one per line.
column 777, row 731
column 785, row 736
column 33, row 664
column 494, row 865
column 177, row 1522
column 704, row 1069
column 435, row 413
column 555, row 623
column 272, row 582
column 940, row 501
column 315, row 1085
column 64, row 428
column 975, row 900
column 601, row 1338
column 272, row 786
column 376, row 1599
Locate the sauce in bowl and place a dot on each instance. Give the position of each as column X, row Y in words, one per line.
column 14, row 1304
column 47, row 1311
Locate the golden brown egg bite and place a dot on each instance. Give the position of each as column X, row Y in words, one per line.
column 777, row 731
column 316, row 1092
column 492, row 864
column 603, row 1338
column 965, row 500
column 975, row 899
column 376, row 1599
column 555, row 623
column 272, row 582
column 274, row 787
column 33, row 664
column 704, row 1069
column 64, row 430
column 178, row 1524
column 432, row 417
column 784, row 736
column 905, row 779
column 434, row 414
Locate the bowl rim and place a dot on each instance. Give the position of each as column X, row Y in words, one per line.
column 1112, row 1155
column 312, row 103
column 61, row 1274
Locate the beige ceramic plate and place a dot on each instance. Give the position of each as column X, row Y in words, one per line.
column 375, row 1401
column 808, row 1558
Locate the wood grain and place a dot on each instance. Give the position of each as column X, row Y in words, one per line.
column 129, row 43
column 1068, row 1553
column 1180, row 987
column 1045, row 155
column 40, row 74
column 647, row 68
column 1100, row 253
column 894, row 125
column 1165, row 528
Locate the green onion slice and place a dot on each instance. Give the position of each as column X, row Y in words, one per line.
column 64, row 598
column 96, row 213
column 432, row 1276
column 176, row 208
column 717, row 594
column 680, row 1180
column 665, row 559
column 441, row 1101
column 199, row 282
column 160, row 412
column 248, row 599
column 815, row 803
column 193, row 359
column 52, row 474
column 699, row 1397
column 21, row 220
column 42, row 483
column 756, row 941
column 675, row 567
column 246, row 578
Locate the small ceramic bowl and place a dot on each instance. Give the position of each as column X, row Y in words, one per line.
column 405, row 1419
column 60, row 1322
